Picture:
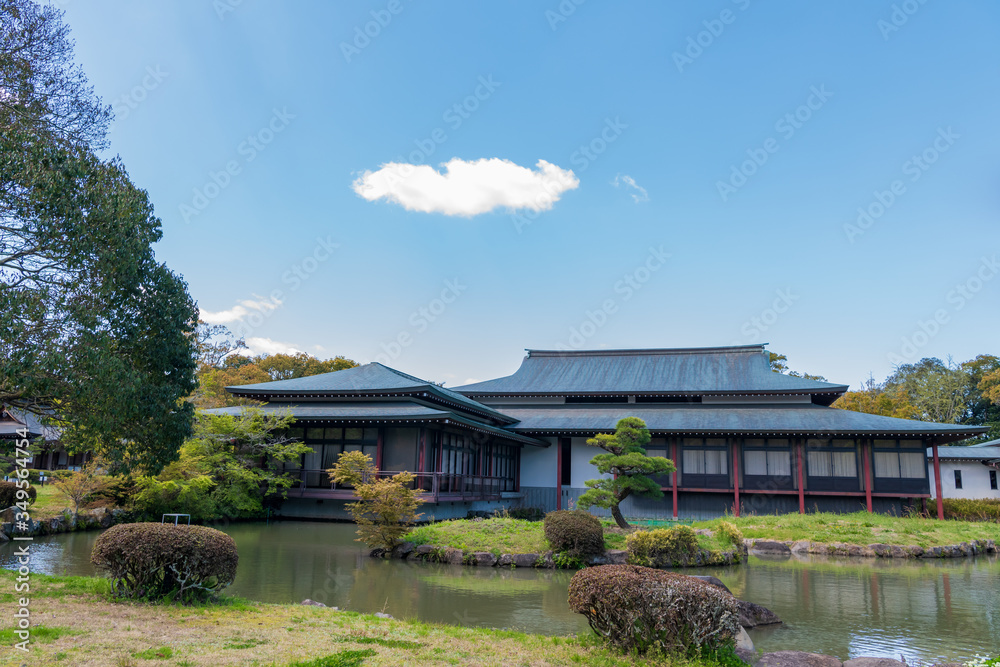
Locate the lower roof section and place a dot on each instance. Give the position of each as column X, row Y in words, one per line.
column 801, row 420
column 401, row 412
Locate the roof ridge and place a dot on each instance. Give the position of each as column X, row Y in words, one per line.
column 638, row 352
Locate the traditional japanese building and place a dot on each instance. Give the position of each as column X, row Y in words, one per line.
column 743, row 437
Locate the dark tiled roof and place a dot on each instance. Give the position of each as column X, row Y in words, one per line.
column 373, row 378
column 977, row 453
column 991, row 443
column 725, row 370
column 387, row 411
column 798, row 420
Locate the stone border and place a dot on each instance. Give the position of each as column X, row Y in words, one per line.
column 98, row 519
column 840, row 549
column 431, row 554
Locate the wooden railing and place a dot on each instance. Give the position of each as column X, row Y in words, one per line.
column 432, row 485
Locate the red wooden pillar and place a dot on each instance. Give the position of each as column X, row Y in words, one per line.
column 937, row 481
column 736, row 477
column 800, row 445
column 558, row 473
column 677, row 465
column 866, row 451
column 378, row 448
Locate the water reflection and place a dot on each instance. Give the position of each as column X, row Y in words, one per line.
column 932, row 610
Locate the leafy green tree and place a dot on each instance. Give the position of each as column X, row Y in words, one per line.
column 629, row 466
column 94, row 332
column 386, row 507
column 873, row 398
column 232, row 467
column 983, row 394
column 937, row 390
column 779, row 364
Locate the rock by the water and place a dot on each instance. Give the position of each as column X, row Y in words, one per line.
column 524, row 560
column 610, row 557
column 714, row 581
column 452, row 556
column 312, row 603
column 874, row 662
column 797, row 659
column 744, row 642
column 770, row 548
column 546, row 560
column 752, row 615
column 484, row 558
column 403, row 550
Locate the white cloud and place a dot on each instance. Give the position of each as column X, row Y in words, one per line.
column 241, row 310
column 257, row 346
column 472, row 381
column 640, row 195
column 467, row 188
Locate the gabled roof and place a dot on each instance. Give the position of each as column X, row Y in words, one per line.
column 741, row 369
column 12, row 420
column 805, row 419
column 991, row 443
column 383, row 412
column 973, row 453
column 367, row 380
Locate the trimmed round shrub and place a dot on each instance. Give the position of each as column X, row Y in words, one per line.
column 662, row 547
column 574, row 532
column 9, row 494
column 157, row 560
column 635, row 608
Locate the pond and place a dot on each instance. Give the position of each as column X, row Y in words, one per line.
column 924, row 610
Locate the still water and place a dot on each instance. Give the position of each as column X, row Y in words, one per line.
column 924, row 610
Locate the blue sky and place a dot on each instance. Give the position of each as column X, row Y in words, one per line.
column 818, row 176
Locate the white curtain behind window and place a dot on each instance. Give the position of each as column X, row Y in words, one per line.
column 755, row 463
column 845, row 464
column 912, row 465
column 779, row 464
column 887, row 464
column 819, row 464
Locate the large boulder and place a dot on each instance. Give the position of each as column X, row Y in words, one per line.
column 797, row 659
column 715, row 581
column 452, row 556
column 483, row 559
column 751, row 614
column 874, row 662
column 770, row 548
column 524, row 560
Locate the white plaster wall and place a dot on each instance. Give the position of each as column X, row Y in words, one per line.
column 975, row 480
column 580, row 455
column 538, row 465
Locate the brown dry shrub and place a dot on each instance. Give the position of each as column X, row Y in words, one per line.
column 574, row 532
column 155, row 560
column 637, row 608
column 9, row 494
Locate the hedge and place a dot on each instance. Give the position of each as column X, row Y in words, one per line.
column 11, row 494
column 156, row 560
column 662, row 547
column 964, row 509
column 576, row 533
column 636, row 608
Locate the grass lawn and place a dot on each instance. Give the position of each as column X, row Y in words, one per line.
column 515, row 536
column 861, row 528
column 75, row 624
column 49, row 503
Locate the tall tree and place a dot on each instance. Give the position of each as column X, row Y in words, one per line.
column 873, row 398
column 629, row 466
column 779, row 364
column 936, row 389
column 94, row 332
